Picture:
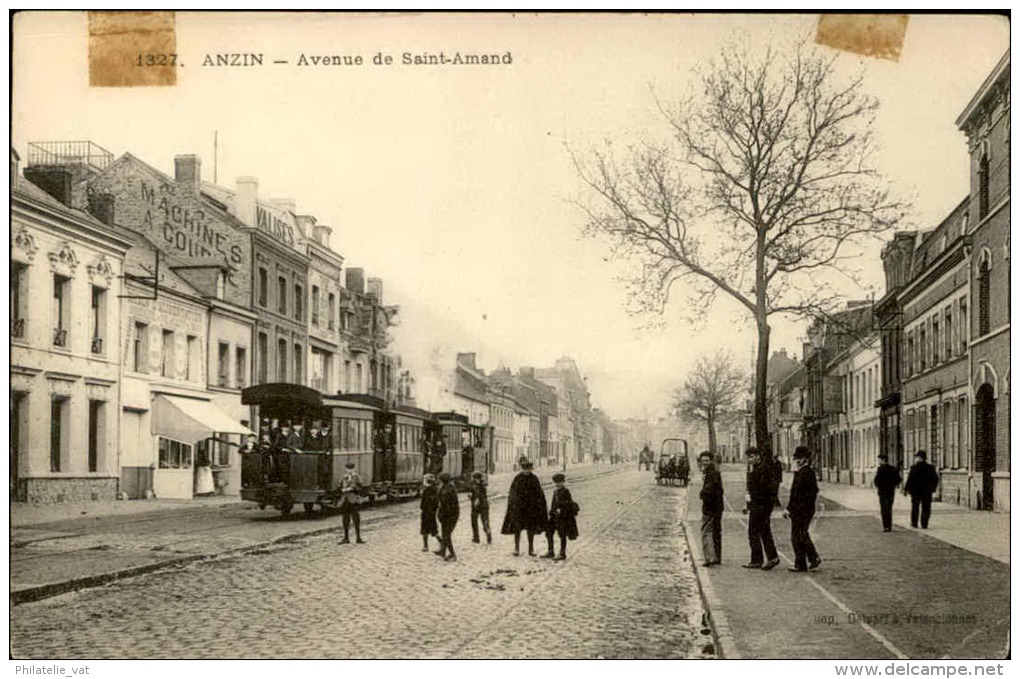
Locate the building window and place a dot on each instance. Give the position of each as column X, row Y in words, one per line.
column 221, row 284
column 358, row 378
column 191, row 370
column 263, row 287
column 347, row 377
column 948, row 339
column 281, row 291
column 223, row 365
column 923, row 349
column 983, row 185
column 19, row 278
column 331, row 308
column 174, row 454
column 299, row 303
column 263, row 349
column 298, row 365
column 936, row 353
column 61, row 309
column 315, row 305
column 984, row 299
column 962, row 432
column 98, row 319
column 964, row 327
column 281, row 360
column 240, row 367
column 58, row 431
column 140, row 349
column 97, row 421
column 166, row 360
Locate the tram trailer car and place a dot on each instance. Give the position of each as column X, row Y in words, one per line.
column 464, row 445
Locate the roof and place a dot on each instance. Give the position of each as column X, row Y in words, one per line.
column 975, row 103
column 140, row 261
column 27, row 189
column 931, row 245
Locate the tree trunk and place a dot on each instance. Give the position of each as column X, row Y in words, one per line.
column 711, row 435
column 761, row 411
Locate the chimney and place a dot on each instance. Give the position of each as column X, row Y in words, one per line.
column 247, row 196
column 188, row 172
column 526, row 371
column 54, row 180
column 467, row 359
column 356, row 280
column 101, row 206
column 305, row 224
column 375, row 288
column 322, row 234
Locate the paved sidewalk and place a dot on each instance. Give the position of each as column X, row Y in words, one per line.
column 908, row 594
column 62, row 547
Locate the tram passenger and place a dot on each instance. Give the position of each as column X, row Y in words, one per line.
column 350, row 491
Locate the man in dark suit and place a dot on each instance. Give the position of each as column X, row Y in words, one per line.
column 887, row 478
column 921, row 484
column 801, row 509
column 711, row 510
column 761, row 490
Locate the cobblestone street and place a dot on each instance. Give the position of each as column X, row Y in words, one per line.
column 626, row 591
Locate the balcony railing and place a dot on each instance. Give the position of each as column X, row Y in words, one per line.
column 97, row 345
column 17, row 327
column 69, row 153
column 59, row 337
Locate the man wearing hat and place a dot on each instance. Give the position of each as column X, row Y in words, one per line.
column 350, row 498
column 761, row 495
column 448, row 513
column 801, row 509
column 712, row 504
column 887, row 479
column 526, row 509
column 921, row 484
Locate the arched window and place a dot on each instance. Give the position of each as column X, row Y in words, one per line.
column 984, row 296
column 983, row 182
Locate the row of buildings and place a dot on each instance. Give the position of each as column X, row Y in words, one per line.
column 926, row 367
column 142, row 304
column 543, row 414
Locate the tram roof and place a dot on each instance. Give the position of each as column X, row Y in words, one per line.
column 261, row 394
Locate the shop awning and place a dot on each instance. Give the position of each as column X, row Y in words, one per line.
column 190, row 420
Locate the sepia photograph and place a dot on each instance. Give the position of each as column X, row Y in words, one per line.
column 509, row 336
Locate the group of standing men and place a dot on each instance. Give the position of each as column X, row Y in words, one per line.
column 764, row 477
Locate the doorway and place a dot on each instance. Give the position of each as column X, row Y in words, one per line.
column 984, row 442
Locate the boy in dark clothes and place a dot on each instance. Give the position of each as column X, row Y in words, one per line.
column 479, row 507
column 801, row 509
column 448, row 514
column 562, row 518
column 429, row 507
column 711, row 510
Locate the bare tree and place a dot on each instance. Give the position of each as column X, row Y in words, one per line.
column 711, row 389
column 767, row 177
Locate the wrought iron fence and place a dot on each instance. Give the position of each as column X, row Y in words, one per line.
column 69, row 153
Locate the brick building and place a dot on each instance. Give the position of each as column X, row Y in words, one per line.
column 985, row 121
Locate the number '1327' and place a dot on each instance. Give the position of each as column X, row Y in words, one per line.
column 157, row 60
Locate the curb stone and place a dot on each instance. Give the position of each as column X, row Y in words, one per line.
column 725, row 644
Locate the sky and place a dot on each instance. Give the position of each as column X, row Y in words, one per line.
column 453, row 183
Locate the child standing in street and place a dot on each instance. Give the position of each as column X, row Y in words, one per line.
column 562, row 518
column 429, row 507
column 479, row 507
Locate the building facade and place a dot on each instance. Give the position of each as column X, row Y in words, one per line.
column 66, row 268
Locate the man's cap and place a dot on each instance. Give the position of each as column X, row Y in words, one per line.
column 921, row 454
column 559, row 478
column 429, row 477
column 704, row 454
column 802, row 453
column 751, row 451
column 444, row 477
column 476, row 475
column 526, row 464
column 349, row 465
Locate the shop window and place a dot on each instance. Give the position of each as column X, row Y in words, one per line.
column 174, row 454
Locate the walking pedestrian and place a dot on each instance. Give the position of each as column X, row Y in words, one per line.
column 526, row 509
column 887, row 479
column 801, row 509
column 562, row 518
column 429, row 506
column 448, row 513
column 921, row 484
column 711, row 510
column 761, row 491
column 479, row 507
column 350, row 499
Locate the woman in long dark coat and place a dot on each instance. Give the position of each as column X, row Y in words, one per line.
column 526, row 509
column 429, row 507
